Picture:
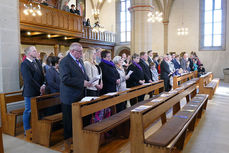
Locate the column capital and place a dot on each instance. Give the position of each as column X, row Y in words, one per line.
column 165, row 22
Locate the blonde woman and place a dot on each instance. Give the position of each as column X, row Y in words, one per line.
column 118, row 61
column 92, row 70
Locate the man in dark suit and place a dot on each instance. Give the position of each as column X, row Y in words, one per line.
column 145, row 67
column 150, row 56
column 33, row 82
column 165, row 72
column 72, row 86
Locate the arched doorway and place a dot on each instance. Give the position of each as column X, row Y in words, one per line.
column 127, row 51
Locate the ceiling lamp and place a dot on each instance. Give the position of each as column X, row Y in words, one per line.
column 32, row 9
column 155, row 17
column 182, row 31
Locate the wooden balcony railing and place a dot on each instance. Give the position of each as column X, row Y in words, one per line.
column 51, row 21
column 100, row 36
column 54, row 21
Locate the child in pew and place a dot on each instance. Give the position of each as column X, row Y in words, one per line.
column 201, row 70
column 154, row 72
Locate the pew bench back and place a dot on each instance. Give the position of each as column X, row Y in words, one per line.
column 94, row 131
column 141, row 120
column 46, row 111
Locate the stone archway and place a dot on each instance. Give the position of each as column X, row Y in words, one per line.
column 122, row 50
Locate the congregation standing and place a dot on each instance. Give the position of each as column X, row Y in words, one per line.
column 72, row 75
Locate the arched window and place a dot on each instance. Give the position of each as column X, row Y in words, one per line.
column 212, row 24
column 125, row 21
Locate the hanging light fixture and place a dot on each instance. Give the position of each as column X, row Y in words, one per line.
column 32, row 9
column 182, row 31
column 155, row 17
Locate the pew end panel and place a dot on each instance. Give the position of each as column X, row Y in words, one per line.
column 208, row 85
column 9, row 118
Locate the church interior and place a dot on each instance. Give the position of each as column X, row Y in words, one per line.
column 183, row 112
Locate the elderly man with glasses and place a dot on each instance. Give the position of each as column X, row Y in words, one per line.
column 74, row 81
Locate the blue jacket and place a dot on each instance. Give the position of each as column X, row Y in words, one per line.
column 71, row 81
column 176, row 64
column 53, row 80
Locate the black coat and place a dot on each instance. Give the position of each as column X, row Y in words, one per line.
column 165, row 70
column 75, row 11
column 33, row 78
column 53, row 80
column 135, row 77
column 146, row 71
column 71, row 80
column 109, row 76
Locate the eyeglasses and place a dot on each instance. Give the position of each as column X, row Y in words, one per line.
column 79, row 51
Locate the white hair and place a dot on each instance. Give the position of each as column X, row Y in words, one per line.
column 74, row 45
column 28, row 49
column 116, row 59
column 60, row 55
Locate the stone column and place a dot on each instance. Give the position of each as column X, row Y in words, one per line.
column 9, row 45
column 141, row 30
column 166, row 23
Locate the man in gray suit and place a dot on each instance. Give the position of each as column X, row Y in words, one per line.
column 72, row 87
column 184, row 62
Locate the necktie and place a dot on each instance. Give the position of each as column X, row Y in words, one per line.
column 77, row 61
column 35, row 65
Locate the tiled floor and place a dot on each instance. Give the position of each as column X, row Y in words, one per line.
column 210, row 136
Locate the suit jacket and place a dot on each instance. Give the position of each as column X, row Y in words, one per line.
column 156, row 62
column 176, row 64
column 146, row 71
column 135, row 76
column 109, row 76
column 150, row 60
column 183, row 64
column 71, row 80
column 165, row 70
column 53, row 80
column 33, row 78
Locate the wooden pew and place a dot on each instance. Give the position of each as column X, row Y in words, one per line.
column 208, row 85
column 172, row 133
column 1, row 142
column 9, row 118
column 91, row 133
column 183, row 78
column 43, row 121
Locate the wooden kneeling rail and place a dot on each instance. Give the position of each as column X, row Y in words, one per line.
column 183, row 78
column 87, row 139
column 43, row 120
column 9, row 119
column 172, row 133
column 208, row 85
